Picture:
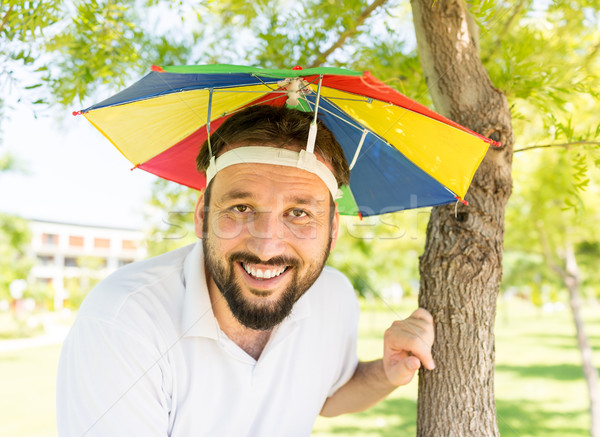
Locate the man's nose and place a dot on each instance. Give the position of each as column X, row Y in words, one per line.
column 267, row 235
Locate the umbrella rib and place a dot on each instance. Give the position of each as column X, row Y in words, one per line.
column 264, row 83
column 233, row 90
column 369, row 100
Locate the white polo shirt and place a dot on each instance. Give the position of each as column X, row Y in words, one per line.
column 146, row 357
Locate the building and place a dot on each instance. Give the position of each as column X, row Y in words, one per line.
column 73, row 256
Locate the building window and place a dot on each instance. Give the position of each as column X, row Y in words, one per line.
column 70, row 261
column 129, row 245
column 102, row 243
column 45, row 260
column 124, row 262
column 75, row 241
column 50, row 239
column 44, row 281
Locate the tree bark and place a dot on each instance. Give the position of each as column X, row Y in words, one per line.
column 461, row 267
column 572, row 280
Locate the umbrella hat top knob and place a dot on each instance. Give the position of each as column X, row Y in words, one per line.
column 295, row 87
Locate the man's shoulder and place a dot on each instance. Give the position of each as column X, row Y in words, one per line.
column 334, row 286
column 143, row 281
column 331, row 275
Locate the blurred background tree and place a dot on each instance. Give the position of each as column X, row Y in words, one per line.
column 14, row 262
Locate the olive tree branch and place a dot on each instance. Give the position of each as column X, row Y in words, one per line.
column 565, row 145
column 322, row 57
column 5, row 18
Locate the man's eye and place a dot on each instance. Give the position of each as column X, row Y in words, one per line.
column 298, row 213
column 240, row 208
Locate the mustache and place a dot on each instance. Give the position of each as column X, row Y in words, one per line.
column 250, row 258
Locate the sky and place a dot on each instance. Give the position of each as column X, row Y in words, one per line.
column 72, row 173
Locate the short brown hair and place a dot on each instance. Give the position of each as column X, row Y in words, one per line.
column 266, row 124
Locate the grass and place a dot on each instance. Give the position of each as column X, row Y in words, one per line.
column 17, row 327
column 540, row 389
column 27, row 378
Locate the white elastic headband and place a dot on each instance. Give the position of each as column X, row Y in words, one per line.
column 276, row 156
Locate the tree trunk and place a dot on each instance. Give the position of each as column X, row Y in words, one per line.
column 461, row 267
column 572, row 280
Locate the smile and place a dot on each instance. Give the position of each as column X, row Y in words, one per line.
column 258, row 273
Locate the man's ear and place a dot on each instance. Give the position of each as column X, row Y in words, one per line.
column 199, row 216
column 335, row 225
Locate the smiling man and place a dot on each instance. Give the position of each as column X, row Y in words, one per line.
column 245, row 333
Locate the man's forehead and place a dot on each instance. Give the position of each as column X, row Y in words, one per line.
column 300, row 194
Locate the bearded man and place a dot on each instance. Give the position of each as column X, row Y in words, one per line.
column 246, row 332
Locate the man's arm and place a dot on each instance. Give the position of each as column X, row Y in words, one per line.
column 407, row 346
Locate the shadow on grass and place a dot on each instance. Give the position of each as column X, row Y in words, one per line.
column 392, row 418
column 524, row 419
column 567, row 340
column 557, row 372
column 398, row 418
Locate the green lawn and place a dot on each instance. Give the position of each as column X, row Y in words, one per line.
column 27, row 381
column 540, row 389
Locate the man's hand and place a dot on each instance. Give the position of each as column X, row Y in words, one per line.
column 407, row 345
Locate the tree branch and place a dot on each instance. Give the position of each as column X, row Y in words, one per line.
column 5, row 18
column 565, row 145
column 322, row 57
column 548, row 252
column 592, row 55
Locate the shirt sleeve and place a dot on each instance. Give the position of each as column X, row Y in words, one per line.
column 110, row 383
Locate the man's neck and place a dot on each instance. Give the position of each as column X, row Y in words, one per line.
column 251, row 341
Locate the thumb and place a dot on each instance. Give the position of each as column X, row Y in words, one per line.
column 403, row 371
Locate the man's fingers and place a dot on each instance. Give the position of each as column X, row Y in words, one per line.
column 403, row 372
column 413, row 336
column 422, row 314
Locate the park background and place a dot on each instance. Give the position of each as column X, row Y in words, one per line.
column 543, row 54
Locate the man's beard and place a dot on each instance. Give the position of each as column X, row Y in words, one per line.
column 260, row 316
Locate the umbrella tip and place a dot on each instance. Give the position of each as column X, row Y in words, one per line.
column 296, row 67
column 461, row 200
column 76, row 113
column 157, row 68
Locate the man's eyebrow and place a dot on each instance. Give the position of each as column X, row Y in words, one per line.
column 301, row 200
column 236, row 195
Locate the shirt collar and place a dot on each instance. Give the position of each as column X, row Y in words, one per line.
column 198, row 319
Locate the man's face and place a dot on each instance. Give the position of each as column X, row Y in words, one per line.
column 267, row 232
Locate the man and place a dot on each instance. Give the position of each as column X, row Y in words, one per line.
column 245, row 333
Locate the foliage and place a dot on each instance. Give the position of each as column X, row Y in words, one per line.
column 545, row 57
column 377, row 253
column 14, row 263
column 174, row 204
column 23, row 23
column 541, row 222
column 104, row 44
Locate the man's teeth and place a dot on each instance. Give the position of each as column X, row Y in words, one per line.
column 263, row 274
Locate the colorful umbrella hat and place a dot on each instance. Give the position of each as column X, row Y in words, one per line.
column 402, row 155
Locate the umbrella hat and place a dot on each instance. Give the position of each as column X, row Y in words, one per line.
column 402, row 154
